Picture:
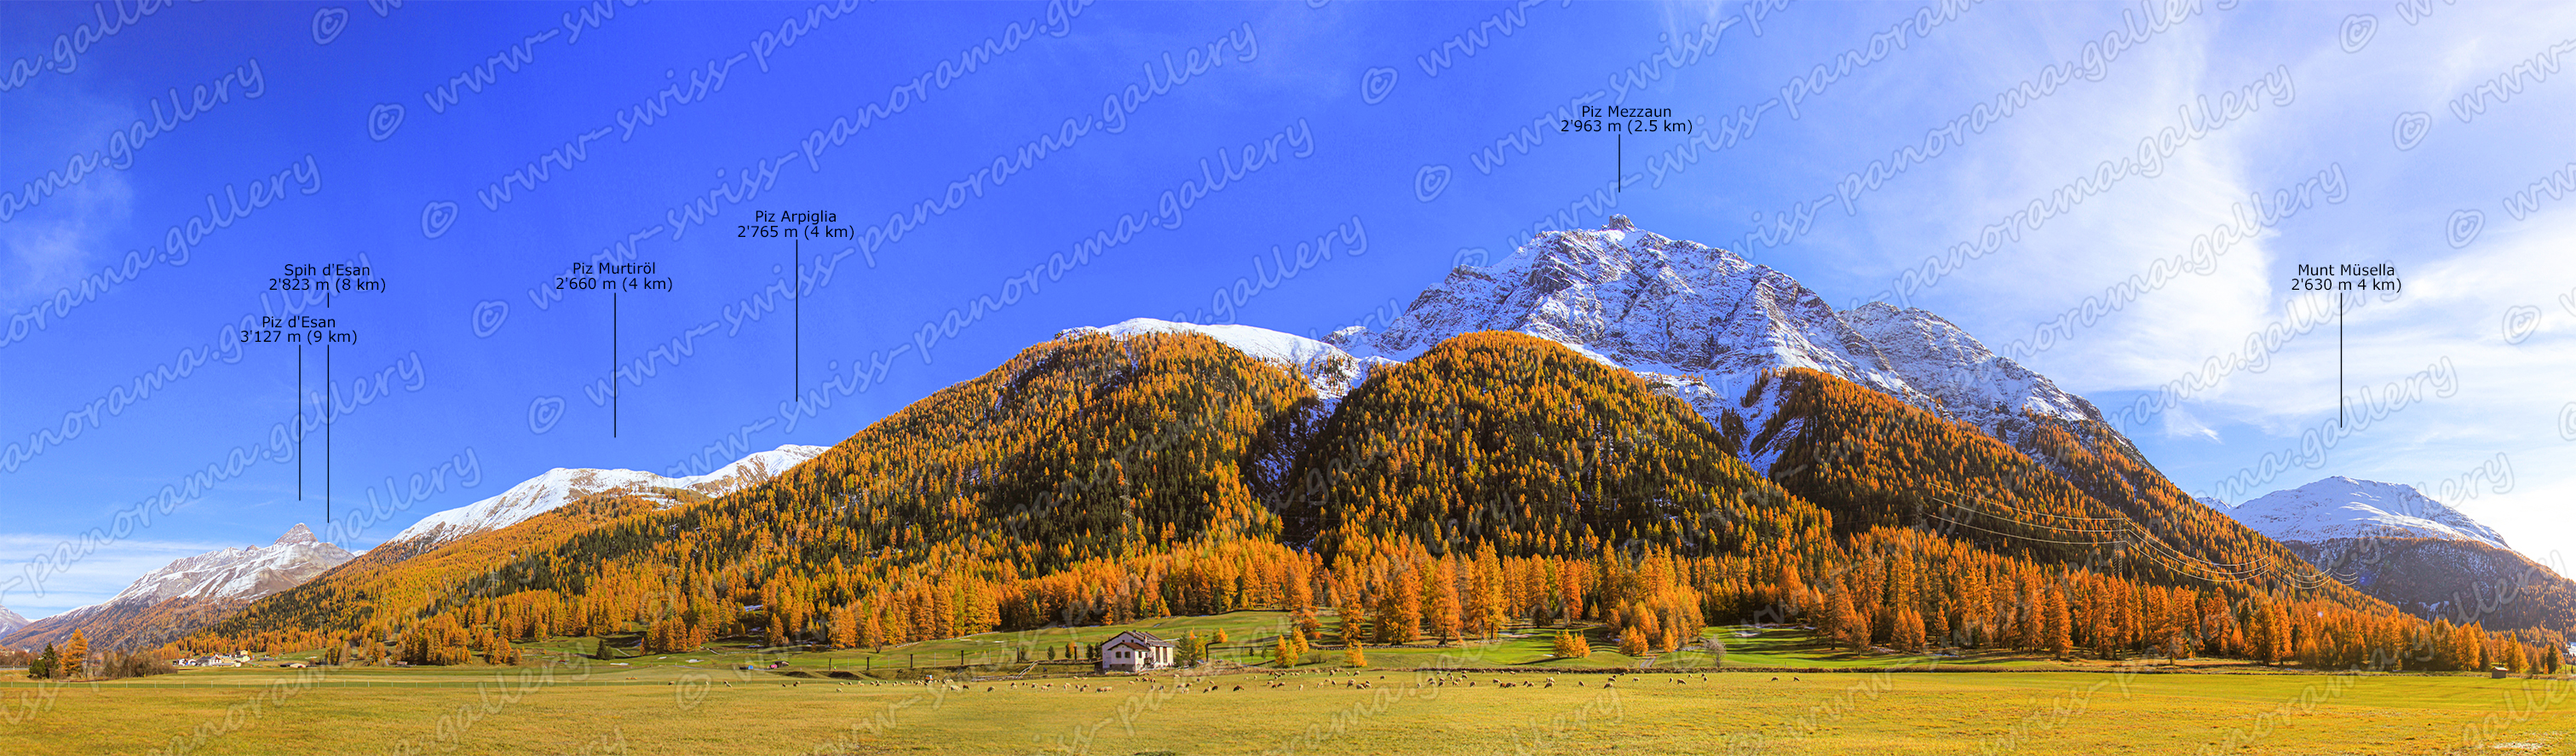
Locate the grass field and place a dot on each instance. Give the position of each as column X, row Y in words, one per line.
column 560, row 703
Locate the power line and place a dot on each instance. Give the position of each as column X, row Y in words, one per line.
column 2037, row 525
column 2016, row 535
column 1957, row 492
column 2189, row 566
column 2175, row 559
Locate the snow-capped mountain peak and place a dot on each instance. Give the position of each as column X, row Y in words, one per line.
column 2341, row 507
column 297, row 534
column 216, row 578
column 1641, row 301
column 561, row 486
column 1706, row 323
column 241, row 572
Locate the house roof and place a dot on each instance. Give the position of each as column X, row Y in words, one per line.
column 1136, row 638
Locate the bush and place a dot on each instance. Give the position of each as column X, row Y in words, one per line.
column 123, row 664
column 1572, row 645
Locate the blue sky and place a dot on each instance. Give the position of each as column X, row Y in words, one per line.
column 648, row 135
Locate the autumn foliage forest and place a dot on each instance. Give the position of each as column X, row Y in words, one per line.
column 1499, row 480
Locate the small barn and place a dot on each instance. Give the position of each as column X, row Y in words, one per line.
column 1135, row 651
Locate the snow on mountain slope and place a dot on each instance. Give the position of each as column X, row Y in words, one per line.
column 1329, row 370
column 562, row 486
column 2341, row 507
column 2396, row 544
column 1641, row 301
column 1703, row 323
column 10, row 621
column 139, row 614
column 1971, row 382
column 242, row 572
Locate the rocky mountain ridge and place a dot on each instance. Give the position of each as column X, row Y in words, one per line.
column 561, row 486
column 1705, row 323
column 190, row 586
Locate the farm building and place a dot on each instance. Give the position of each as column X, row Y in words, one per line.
column 1134, row 651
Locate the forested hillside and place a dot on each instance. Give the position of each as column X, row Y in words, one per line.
column 2448, row 578
column 1075, row 454
column 1874, row 461
column 1503, row 439
column 1496, row 478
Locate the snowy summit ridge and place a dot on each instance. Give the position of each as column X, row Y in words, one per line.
column 241, row 572
column 2341, row 507
column 1708, row 322
column 561, row 486
column 1694, row 320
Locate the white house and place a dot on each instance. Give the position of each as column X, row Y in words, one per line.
column 1134, row 651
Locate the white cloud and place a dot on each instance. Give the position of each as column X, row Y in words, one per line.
column 91, row 579
column 2179, row 423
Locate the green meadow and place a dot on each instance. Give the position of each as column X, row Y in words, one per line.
column 1507, row 696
